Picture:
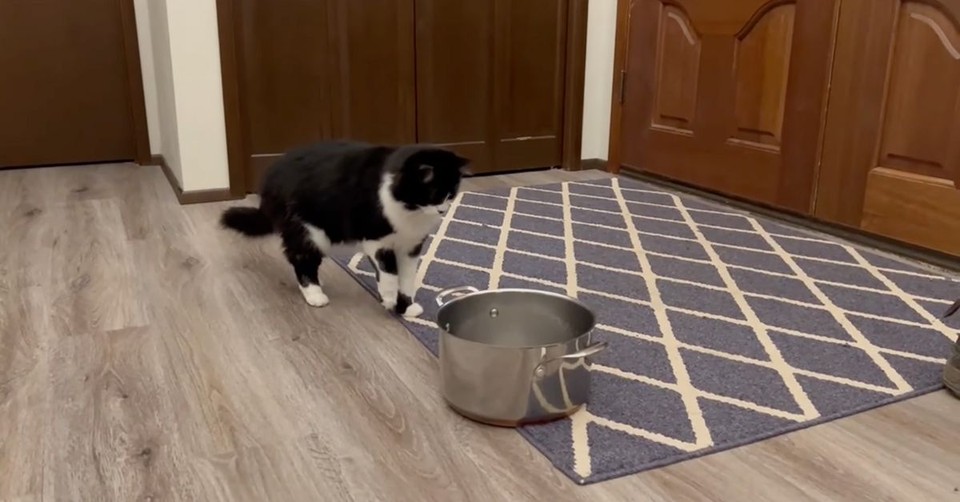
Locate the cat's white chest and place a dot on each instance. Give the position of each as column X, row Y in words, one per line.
column 410, row 227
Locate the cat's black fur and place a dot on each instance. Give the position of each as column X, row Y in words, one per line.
column 336, row 187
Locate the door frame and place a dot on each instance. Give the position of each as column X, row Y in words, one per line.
column 616, row 94
column 138, row 103
column 234, row 113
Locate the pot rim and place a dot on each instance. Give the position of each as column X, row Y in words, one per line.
column 575, row 301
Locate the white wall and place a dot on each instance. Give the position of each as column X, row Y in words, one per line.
column 180, row 58
column 166, row 112
column 598, row 85
column 186, row 116
column 195, row 46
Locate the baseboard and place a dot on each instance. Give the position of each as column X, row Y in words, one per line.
column 191, row 196
column 854, row 235
column 598, row 164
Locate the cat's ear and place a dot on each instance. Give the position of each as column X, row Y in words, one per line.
column 463, row 164
column 425, row 171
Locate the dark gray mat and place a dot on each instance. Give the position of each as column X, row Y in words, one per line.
column 724, row 329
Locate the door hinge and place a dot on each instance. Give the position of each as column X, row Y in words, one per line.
column 623, row 85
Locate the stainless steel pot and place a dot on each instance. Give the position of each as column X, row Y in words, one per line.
column 510, row 357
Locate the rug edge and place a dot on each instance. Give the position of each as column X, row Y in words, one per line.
column 728, row 446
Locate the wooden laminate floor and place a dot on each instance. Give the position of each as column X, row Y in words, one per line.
column 147, row 355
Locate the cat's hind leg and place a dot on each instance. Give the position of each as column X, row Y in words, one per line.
column 305, row 258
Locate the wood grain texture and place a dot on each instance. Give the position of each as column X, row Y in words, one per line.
column 374, row 72
column 283, row 56
column 891, row 164
column 928, row 214
column 855, row 109
column 728, row 96
column 71, row 90
column 491, row 79
column 455, row 84
column 530, row 53
column 499, row 81
column 920, row 124
column 204, row 376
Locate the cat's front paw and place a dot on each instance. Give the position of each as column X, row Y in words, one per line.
column 406, row 307
column 413, row 310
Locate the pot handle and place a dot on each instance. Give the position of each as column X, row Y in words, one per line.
column 592, row 350
column 446, row 295
column 587, row 352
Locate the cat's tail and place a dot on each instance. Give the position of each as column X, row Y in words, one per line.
column 249, row 221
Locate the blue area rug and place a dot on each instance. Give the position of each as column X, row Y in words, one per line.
column 724, row 329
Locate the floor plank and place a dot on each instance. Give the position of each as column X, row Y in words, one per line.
column 146, row 354
column 112, row 435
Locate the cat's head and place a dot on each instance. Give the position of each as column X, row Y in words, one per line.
column 427, row 178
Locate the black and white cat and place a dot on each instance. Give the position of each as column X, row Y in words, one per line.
column 386, row 200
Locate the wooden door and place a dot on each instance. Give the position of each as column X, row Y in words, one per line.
column 891, row 159
column 283, row 58
column 530, row 49
column 454, row 55
column 320, row 70
column 490, row 80
column 728, row 95
column 66, row 83
column 373, row 72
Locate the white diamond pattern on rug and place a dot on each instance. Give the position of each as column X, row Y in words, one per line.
column 724, row 328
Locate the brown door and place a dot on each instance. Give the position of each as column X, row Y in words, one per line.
column 728, row 95
column 490, row 80
column 373, row 71
column 484, row 77
column 530, row 42
column 324, row 69
column 65, row 85
column 891, row 160
column 454, row 77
